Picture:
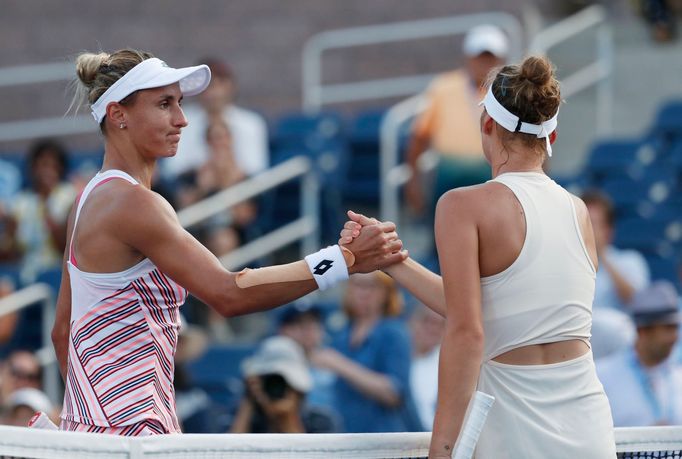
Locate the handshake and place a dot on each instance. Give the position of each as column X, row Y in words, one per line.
column 373, row 244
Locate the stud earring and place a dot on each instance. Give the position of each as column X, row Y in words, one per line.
column 122, row 125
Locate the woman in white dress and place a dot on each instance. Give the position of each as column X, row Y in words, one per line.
column 518, row 260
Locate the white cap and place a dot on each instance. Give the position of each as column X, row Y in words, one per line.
column 282, row 356
column 485, row 38
column 30, row 397
column 152, row 73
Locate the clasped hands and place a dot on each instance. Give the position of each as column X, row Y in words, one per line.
column 374, row 244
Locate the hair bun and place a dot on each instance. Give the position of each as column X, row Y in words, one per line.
column 538, row 70
column 87, row 66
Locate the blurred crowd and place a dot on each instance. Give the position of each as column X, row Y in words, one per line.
column 367, row 362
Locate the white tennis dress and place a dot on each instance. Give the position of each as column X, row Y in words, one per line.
column 552, row 411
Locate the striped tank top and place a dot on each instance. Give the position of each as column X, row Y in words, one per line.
column 123, row 335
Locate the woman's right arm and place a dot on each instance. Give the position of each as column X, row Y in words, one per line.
column 147, row 223
column 425, row 285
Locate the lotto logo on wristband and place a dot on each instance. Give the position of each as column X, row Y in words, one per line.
column 327, row 266
column 322, row 267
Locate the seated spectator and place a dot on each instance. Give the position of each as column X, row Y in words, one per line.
column 621, row 272
column 40, row 211
column 304, row 324
column 249, row 131
column 427, row 329
column 371, row 358
column 20, row 370
column 220, row 171
column 22, row 404
column 643, row 384
column 277, row 379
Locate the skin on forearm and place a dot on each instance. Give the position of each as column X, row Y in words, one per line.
column 458, row 371
column 425, row 285
column 370, row 383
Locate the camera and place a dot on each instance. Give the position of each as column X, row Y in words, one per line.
column 274, row 386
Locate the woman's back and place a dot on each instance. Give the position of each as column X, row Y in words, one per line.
column 537, row 277
column 543, row 295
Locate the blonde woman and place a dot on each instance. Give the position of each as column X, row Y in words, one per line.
column 129, row 265
column 371, row 357
column 518, row 259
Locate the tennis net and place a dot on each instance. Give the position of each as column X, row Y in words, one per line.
column 24, row 443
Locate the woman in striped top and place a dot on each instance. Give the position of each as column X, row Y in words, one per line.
column 129, row 264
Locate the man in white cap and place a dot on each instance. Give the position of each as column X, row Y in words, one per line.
column 450, row 124
column 277, row 378
column 643, row 383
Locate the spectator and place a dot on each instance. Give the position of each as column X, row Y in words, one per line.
column 22, row 404
column 277, row 378
column 371, row 358
column 249, row 131
column 219, row 172
column 643, row 384
column 450, row 124
column 40, row 211
column 20, row 370
column 621, row 272
column 427, row 332
column 303, row 323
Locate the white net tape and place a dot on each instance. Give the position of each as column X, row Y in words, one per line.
column 33, row 443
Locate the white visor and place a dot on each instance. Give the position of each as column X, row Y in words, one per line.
column 512, row 123
column 152, row 73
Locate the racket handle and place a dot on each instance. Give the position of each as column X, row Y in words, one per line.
column 474, row 420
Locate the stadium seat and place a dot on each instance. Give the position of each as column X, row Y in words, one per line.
column 633, row 197
column 668, row 121
column 663, row 268
column 218, row 371
column 649, row 236
column 613, row 159
column 309, row 131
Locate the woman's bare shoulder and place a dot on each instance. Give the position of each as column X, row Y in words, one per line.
column 476, row 199
column 125, row 202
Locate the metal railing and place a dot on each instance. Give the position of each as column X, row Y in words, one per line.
column 43, row 294
column 43, row 127
column 598, row 73
column 305, row 228
column 316, row 94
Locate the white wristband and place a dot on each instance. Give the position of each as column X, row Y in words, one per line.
column 327, row 266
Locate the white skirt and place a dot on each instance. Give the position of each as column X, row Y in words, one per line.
column 557, row 411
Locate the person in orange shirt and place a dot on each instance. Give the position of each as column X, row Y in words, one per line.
column 450, row 124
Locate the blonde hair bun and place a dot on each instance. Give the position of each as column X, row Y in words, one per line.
column 87, row 66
